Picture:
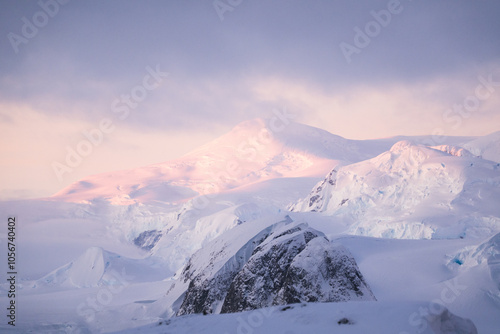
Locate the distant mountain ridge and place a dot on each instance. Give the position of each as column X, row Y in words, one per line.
column 250, row 153
column 253, row 151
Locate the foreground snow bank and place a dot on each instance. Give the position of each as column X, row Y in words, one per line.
column 349, row 317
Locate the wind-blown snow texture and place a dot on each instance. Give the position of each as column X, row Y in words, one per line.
column 223, row 229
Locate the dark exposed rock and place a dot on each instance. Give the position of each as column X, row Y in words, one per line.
column 206, row 292
column 299, row 267
column 258, row 282
column 286, row 263
column 148, row 239
column 313, row 199
column 323, row 264
column 344, row 321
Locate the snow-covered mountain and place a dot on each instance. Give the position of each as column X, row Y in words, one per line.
column 229, row 230
column 296, row 264
column 98, row 267
column 412, row 191
column 253, row 151
column 285, row 263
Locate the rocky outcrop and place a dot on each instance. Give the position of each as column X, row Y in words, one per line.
column 207, row 291
column 148, row 239
column 284, row 264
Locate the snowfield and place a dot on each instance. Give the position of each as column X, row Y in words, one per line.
column 270, row 229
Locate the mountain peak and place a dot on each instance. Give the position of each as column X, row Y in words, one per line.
column 401, row 145
column 255, row 124
column 283, row 133
column 253, row 151
column 390, row 195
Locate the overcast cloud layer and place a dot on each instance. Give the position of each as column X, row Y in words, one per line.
column 359, row 69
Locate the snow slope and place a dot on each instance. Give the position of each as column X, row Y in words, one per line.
column 407, row 276
column 487, row 147
column 349, row 317
column 97, row 267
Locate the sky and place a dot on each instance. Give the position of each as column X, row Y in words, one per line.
column 147, row 81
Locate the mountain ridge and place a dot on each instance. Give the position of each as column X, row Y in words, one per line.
column 253, row 151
